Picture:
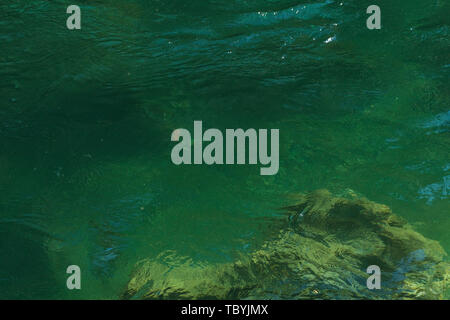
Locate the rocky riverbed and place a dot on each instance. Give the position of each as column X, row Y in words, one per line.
column 322, row 251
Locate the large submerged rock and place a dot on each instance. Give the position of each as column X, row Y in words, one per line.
column 322, row 251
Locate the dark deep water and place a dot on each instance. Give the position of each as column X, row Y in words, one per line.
column 86, row 118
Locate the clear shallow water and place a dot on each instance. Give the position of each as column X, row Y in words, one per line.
column 86, row 117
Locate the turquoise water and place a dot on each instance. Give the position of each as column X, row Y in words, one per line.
column 86, row 117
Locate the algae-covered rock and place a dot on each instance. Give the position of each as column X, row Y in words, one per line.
column 322, row 251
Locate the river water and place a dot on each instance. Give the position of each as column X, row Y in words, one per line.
column 86, row 117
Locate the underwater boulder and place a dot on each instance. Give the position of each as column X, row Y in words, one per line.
column 322, row 251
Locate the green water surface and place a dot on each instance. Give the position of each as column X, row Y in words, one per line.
column 86, row 117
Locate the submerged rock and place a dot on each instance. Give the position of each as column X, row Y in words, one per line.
column 322, row 251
